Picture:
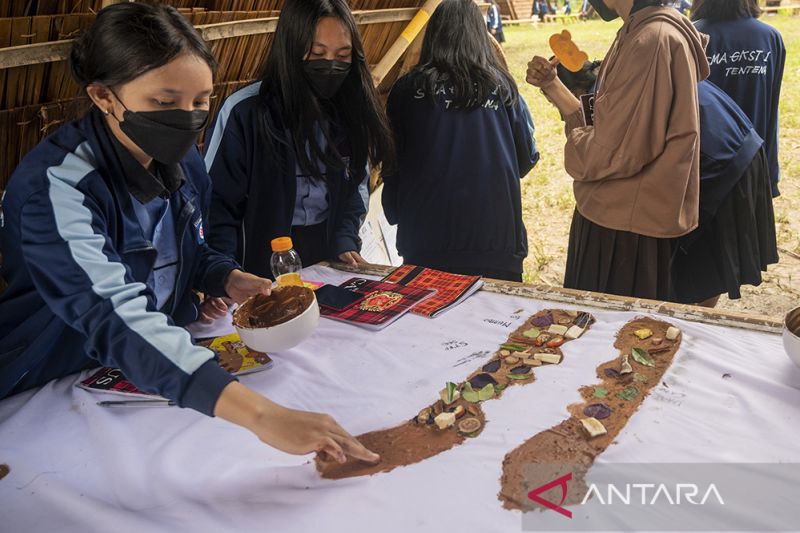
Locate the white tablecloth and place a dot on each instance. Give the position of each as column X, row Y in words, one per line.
column 79, row 467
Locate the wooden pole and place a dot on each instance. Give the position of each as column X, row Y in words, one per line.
column 402, row 43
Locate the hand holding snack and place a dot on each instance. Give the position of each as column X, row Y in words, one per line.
column 541, row 72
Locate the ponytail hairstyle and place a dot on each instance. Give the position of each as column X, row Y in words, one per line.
column 130, row 39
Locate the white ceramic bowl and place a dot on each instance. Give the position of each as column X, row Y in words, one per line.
column 791, row 335
column 283, row 336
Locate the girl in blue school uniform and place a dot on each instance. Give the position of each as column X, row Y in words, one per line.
column 464, row 141
column 289, row 154
column 103, row 236
column 735, row 240
column 747, row 59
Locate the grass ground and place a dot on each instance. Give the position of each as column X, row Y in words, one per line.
column 547, row 192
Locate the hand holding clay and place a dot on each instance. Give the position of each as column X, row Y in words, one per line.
column 541, row 72
column 239, row 286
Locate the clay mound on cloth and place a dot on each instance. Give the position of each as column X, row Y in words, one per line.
column 614, row 400
column 536, row 343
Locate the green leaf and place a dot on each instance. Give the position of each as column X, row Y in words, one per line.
column 520, row 376
column 486, row 393
column 600, row 392
column 532, row 333
column 642, row 357
column 628, row 394
column 640, row 377
column 498, row 388
column 451, row 390
column 469, row 394
column 513, row 347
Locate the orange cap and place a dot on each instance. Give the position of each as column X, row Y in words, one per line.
column 281, row 244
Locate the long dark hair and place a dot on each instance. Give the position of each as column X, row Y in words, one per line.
column 457, row 51
column 355, row 108
column 725, row 9
column 129, row 39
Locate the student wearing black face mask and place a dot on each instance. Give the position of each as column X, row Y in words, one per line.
column 289, row 154
column 103, row 236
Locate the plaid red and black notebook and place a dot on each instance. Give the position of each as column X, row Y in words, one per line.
column 382, row 303
column 451, row 289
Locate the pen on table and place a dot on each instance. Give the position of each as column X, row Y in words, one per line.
column 137, row 403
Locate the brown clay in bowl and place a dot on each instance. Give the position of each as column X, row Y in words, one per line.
column 284, row 304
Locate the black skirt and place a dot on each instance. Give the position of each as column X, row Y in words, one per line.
column 604, row 260
column 732, row 248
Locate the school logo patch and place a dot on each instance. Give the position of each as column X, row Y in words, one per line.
column 200, row 232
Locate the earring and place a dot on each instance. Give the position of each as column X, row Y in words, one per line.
column 105, row 112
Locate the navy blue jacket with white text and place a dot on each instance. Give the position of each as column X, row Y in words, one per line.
column 76, row 263
column 456, row 193
column 747, row 59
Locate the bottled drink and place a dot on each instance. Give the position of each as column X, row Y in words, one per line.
column 285, row 262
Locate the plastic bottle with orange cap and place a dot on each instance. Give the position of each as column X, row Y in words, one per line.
column 285, row 262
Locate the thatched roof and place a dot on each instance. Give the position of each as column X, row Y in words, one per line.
column 36, row 91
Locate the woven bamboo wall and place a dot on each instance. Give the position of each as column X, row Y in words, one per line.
column 37, row 99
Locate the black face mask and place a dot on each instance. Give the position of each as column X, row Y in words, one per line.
column 166, row 136
column 326, row 76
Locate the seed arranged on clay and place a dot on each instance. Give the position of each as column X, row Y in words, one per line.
column 593, row 427
column 458, row 410
column 556, row 341
column 582, row 320
column 565, row 321
column 481, row 380
column 505, row 353
column 542, row 321
column 598, row 411
column 643, row 333
column 672, row 333
column 522, row 369
column 492, row 366
column 469, row 425
column 511, row 360
column 424, row 415
column 625, row 367
column 556, row 329
column 550, row 358
column 531, row 333
column 542, row 339
column 530, row 361
column 611, row 373
column 445, row 420
column 574, row 332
